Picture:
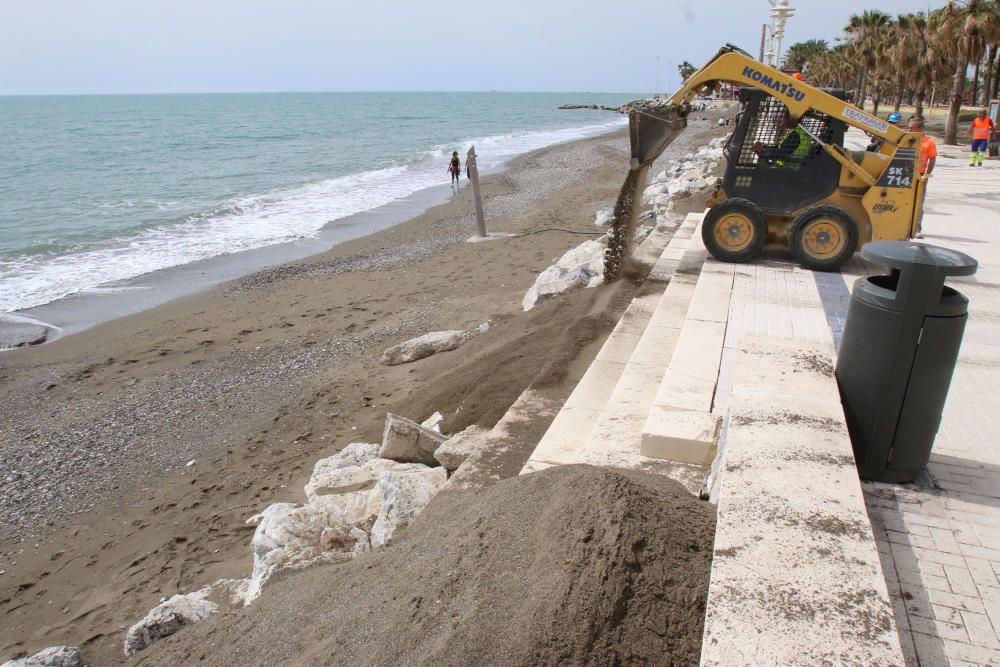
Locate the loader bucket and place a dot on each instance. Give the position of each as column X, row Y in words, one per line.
column 649, row 135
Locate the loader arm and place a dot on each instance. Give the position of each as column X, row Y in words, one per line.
column 733, row 65
column 654, row 126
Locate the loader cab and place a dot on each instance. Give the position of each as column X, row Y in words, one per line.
column 780, row 186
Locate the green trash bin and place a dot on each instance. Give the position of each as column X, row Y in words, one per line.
column 898, row 354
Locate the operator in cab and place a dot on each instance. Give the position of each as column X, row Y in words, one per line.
column 792, row 150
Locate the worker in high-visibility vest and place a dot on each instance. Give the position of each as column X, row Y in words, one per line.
column 981, row 130
column 793, row 149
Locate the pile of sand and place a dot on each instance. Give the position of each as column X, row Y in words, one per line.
column 571, row 565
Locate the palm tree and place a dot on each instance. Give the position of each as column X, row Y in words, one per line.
column 973, row 24
column 917, row 57
column 686, row 69
column 800, row 54
column 837, row 68
column 870, row 31
column 988, row 79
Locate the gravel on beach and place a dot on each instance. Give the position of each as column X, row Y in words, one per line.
column 62, row 454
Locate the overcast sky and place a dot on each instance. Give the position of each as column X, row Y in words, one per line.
column 132, row 46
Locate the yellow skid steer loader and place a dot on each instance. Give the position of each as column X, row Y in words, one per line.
column 819, row 200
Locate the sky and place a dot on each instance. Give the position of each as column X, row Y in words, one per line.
column 171, row 46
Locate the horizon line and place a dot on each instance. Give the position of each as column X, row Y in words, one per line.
column 317, row 92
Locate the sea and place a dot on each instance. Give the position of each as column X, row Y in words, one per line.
column 97, row 190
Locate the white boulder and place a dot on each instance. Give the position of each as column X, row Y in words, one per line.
column 588, row 256
column 167, row 618
column 582, row 266
column 330, row 528
column 327, row 481
column 403, row 497
column 407, row 441
column 424, row 346
column 460, row 446
column 53, row 656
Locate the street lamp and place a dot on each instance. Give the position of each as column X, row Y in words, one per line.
column 780, row 11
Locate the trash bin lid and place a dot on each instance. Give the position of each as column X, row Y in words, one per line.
column 904, row 254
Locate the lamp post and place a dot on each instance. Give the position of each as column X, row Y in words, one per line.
column 780, row 11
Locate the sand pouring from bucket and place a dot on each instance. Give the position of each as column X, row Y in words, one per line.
column 650, row 132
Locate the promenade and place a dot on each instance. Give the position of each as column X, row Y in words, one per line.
column 939, row 537
column 723, row 379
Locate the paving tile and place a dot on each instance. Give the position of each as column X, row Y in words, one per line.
column 961, row 581
column 977, row 655
column 982, row 572
column 942, row 629
column 945, row 540
column 980, row 629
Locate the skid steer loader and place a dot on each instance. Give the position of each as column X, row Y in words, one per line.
column 822, row 202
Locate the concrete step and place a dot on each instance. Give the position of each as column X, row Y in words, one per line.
column 683, row 422
column 615, row 438
column 623, row 361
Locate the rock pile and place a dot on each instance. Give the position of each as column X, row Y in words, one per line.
column 647, row 103
column 687, row 176
column 582, row 266
column 356, row 500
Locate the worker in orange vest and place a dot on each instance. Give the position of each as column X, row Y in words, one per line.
column 981, row 130
column 926, row 161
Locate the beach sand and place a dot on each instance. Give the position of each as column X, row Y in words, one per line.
column 574, row 565
column 252, row 381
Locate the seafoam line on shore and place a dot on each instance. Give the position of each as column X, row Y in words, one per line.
column 250, row 222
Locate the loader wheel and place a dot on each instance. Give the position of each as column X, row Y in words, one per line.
column 823, row 238
column 734, row 230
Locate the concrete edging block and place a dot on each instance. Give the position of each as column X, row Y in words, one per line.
column 686, row 436
column 796, row 575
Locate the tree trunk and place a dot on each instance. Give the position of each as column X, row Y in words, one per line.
column 989, row 75
column 899, row 100
column 975, row 82
column 918, row 102
column 996, row 79
column 957, row 88
column 875, row 101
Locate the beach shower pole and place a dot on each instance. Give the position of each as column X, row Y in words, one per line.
column 470, row 165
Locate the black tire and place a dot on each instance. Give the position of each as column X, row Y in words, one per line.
column 823, row 237
column 734, row 230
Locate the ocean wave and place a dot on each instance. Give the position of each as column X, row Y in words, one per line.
column 250, row 222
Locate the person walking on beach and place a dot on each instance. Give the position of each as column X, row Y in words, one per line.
column 926, row 162
column 455, row 169
column 981, row 130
